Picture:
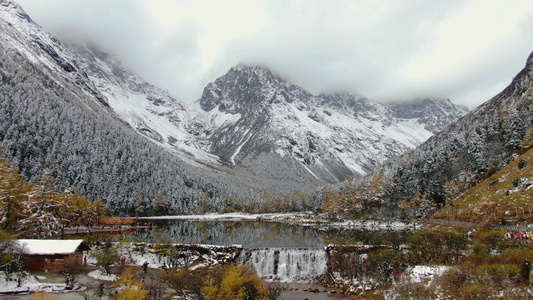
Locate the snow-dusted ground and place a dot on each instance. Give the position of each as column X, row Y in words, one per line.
column 137, row 254
column 425, row 273
column 97, row 274
column 30, row 284
column 372, row 225
column 231, row 217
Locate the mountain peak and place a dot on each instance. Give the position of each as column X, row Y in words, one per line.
column 244, row 87
column 245, row 67
column 529, row 63
column 255, row 70
column 434, row 113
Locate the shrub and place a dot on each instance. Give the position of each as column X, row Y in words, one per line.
column 517, row 256
column 436, row 247
column 522, row 163
column 184, row 279
column 384, row 265
column 493, row 170
column 493, row 239
column 70, row 270
column 106, row 257
column 131, row 288
column 234, row 282
column 413, row 291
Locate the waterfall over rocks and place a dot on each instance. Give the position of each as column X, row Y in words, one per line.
column 286, row 264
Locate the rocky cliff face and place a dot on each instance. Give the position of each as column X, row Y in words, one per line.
column 327, row 138
column 151, row 111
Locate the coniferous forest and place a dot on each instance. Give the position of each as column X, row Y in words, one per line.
column 50, row 123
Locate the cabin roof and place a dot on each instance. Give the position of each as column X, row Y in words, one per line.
column 51, row 247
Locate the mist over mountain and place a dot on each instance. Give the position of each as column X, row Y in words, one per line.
column 329, row 137
column 470, row 149
column 77, row 111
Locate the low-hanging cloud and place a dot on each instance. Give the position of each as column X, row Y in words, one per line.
column 386, row 50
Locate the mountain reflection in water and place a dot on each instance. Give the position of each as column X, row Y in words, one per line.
column 245, row 233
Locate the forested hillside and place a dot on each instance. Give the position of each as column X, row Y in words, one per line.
column 53, row 117
column 506, row 196
column 441, row 169
column 468, row 150
column 40, row 210
column 49, row 123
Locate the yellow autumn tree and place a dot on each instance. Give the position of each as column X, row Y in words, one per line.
column 130, row 287
column 13, row 190
column 41, row 209
column 331, row 204
column 234, row 282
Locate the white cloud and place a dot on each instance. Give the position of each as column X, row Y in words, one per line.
column 386, row 50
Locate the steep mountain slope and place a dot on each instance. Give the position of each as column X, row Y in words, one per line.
column 78, row 112
column 507, row 194
column 200, row 136
column 151, row 111
column 311, row 141
column 433, row 115
column 281, row 130
column 478, row 144
column 52, row 116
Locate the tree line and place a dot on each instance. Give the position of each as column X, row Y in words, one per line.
column 41, row 210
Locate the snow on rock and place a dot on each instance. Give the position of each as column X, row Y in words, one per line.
column 193, row 255
column 331, row 137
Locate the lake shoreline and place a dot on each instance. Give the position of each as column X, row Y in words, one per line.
column 306, row 219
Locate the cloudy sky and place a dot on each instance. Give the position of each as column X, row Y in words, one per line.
column 386, row 50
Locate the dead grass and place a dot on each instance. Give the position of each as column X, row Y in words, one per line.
column 506, row 195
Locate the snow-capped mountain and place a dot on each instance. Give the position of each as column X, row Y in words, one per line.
column 131, row 97
column 256, row 120
column 434, row 115
column 250, row 131
column 151, row 111
column 60, row 111
column 18, row 31
column 272, row 125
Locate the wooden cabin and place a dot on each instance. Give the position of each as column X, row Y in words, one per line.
column 45, row 255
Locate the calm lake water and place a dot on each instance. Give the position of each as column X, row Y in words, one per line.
column 253, row 234
column 246, row 233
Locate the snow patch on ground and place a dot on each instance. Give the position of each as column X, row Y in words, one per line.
column 273, row 217
column 426, row 273
column 97, row 274
column 29, row 284
column 232, row 159
column 374, row 225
